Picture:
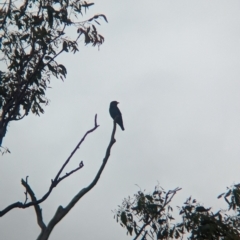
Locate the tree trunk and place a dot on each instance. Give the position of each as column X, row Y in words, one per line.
column 3, row 129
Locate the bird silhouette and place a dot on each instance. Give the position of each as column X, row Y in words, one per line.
column 115, row 113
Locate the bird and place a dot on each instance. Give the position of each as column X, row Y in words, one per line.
column 115, row 113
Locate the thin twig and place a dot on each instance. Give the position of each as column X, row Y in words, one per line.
column 73, row 171
column 37, row 208
column 26, row 193
column 77, row 147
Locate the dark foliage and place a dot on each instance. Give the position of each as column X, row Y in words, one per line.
column 32, row 36
column 149, row 216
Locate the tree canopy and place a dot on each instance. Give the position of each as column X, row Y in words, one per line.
column 150, row 216
column 33, row 35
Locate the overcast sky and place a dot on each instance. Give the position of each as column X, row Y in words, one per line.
column 174, row 67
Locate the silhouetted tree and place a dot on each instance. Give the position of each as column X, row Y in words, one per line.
column 150, row 216
column 32, row 36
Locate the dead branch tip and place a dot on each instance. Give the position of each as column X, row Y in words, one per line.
column 95, row 121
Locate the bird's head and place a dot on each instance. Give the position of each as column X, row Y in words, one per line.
column 114, row 103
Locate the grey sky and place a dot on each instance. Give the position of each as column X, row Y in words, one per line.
column 174, row 67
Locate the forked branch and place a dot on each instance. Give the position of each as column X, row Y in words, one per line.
column 34, row 202
column 62, row 211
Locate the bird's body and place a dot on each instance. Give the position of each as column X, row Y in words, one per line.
column 116, row 114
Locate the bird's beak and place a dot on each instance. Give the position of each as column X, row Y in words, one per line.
column 117, row 102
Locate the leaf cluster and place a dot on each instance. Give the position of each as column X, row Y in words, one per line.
column 32, row 35
column 149, row 216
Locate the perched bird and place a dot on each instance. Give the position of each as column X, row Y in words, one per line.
column 115, row 112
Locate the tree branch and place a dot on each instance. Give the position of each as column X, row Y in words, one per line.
column 54, row 182
column 61, row 211
column 77, row 147
column 37, row 208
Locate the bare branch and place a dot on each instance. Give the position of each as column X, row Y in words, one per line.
column 73, row 171
column 77, row 147
column 54, row 182
column 26, row 193
column 62, row 212
column 37, row 208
